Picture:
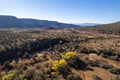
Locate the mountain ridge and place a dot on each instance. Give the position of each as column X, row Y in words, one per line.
column 10, row 21
column 14, row 22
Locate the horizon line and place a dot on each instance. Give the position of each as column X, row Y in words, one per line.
column 60, row 21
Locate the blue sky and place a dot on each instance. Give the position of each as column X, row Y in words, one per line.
column 69, row 11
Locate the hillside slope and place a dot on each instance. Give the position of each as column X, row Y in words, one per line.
column 34, row 54
column 113, row 28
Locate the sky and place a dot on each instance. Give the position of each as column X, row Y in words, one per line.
column 68, row 11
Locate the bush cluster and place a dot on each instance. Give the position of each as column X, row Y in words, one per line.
column 73, row 77
column 106, row 66
column 70, row 59
column 14, row 76
column 95, row 77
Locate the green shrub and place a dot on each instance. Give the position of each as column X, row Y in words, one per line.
column 64, row 71
column 20, row 77
column 84, row 50
column 94, row 63
column 37, row 77
column 45, row 57
column 115, row 71
column 105, row 65
column 7, row 65
column 100, row 64
column 95, row 77
column 73, row 77
column 30, row 73
column 76, row 63
column 117, row 78
column 14, row 76
column 114, row 57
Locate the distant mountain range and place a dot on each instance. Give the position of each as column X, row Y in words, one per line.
column 14, row 22
column 11, row 21
column 87, row 24
column 112, row 28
